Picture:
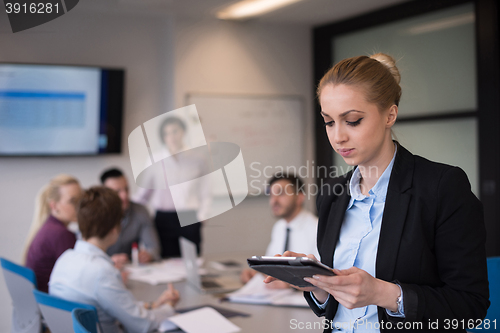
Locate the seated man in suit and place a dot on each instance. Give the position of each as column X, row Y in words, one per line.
column 136, row 225
column 296, row 229
column 86, row 273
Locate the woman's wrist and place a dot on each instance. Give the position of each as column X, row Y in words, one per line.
column 320, row 295
column 152, row 305
column 387, row 295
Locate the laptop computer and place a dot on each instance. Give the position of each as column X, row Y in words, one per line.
column 206, row 284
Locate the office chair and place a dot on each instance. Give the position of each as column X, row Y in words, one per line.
column 21, row 282
column 57, row 311
column 84, row 321
column 494, row 309
column 494, row 279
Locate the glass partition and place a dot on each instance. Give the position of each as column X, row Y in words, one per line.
column 436, row 56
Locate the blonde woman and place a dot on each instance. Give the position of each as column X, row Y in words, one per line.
column 49, row 236
column 405, row 235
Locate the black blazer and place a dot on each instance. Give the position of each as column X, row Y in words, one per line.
column 432, row 241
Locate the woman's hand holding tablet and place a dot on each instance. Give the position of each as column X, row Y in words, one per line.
column 291, row 268
column 351, row 287
column 319, row 294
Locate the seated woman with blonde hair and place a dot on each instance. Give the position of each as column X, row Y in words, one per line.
column 49, row 236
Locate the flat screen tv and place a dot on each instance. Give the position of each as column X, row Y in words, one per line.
column 60, row 110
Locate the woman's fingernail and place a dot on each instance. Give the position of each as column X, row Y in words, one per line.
column 316, row 277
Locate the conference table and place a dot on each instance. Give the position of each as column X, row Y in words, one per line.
column 262, row 318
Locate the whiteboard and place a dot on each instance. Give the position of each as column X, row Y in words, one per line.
column 268, row 129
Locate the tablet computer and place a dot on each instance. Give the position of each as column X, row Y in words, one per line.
column 292, row 270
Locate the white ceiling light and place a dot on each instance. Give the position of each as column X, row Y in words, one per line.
column 445, row 23
column 249, row 8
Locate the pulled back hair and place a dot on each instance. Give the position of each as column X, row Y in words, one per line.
column 99, row 212
column 48, row 193
column 377, row 75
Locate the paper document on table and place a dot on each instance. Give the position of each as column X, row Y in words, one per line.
column 227, row 265
column 170, row 270
column 167, row 325
column 256, row 292
column 204, row 320
column 294, row 299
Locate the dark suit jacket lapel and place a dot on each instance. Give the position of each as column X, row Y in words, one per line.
column 394, row 217
column 333, row 211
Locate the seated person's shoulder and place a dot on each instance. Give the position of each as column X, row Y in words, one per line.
column 52, row 236
column 139, row 210
column 50, row 228
column 101, row 268
column 310, row 216
column 86, row 254
column 311, row 222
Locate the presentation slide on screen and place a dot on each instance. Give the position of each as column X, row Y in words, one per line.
column 49, row 110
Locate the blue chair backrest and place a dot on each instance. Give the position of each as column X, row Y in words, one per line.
column 492, row 320
column 57, row 311
column 21, row 282
column 494, row 279
column 84, row 321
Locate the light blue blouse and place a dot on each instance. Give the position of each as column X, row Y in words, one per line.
column 357, row 246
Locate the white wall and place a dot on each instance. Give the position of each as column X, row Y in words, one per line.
column 243, row 58
column 164, row 59
column 144, row 46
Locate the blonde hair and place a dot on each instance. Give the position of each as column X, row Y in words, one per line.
column 48, row 193
column 377, row 75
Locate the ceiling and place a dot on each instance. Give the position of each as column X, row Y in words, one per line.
column 309, row 12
